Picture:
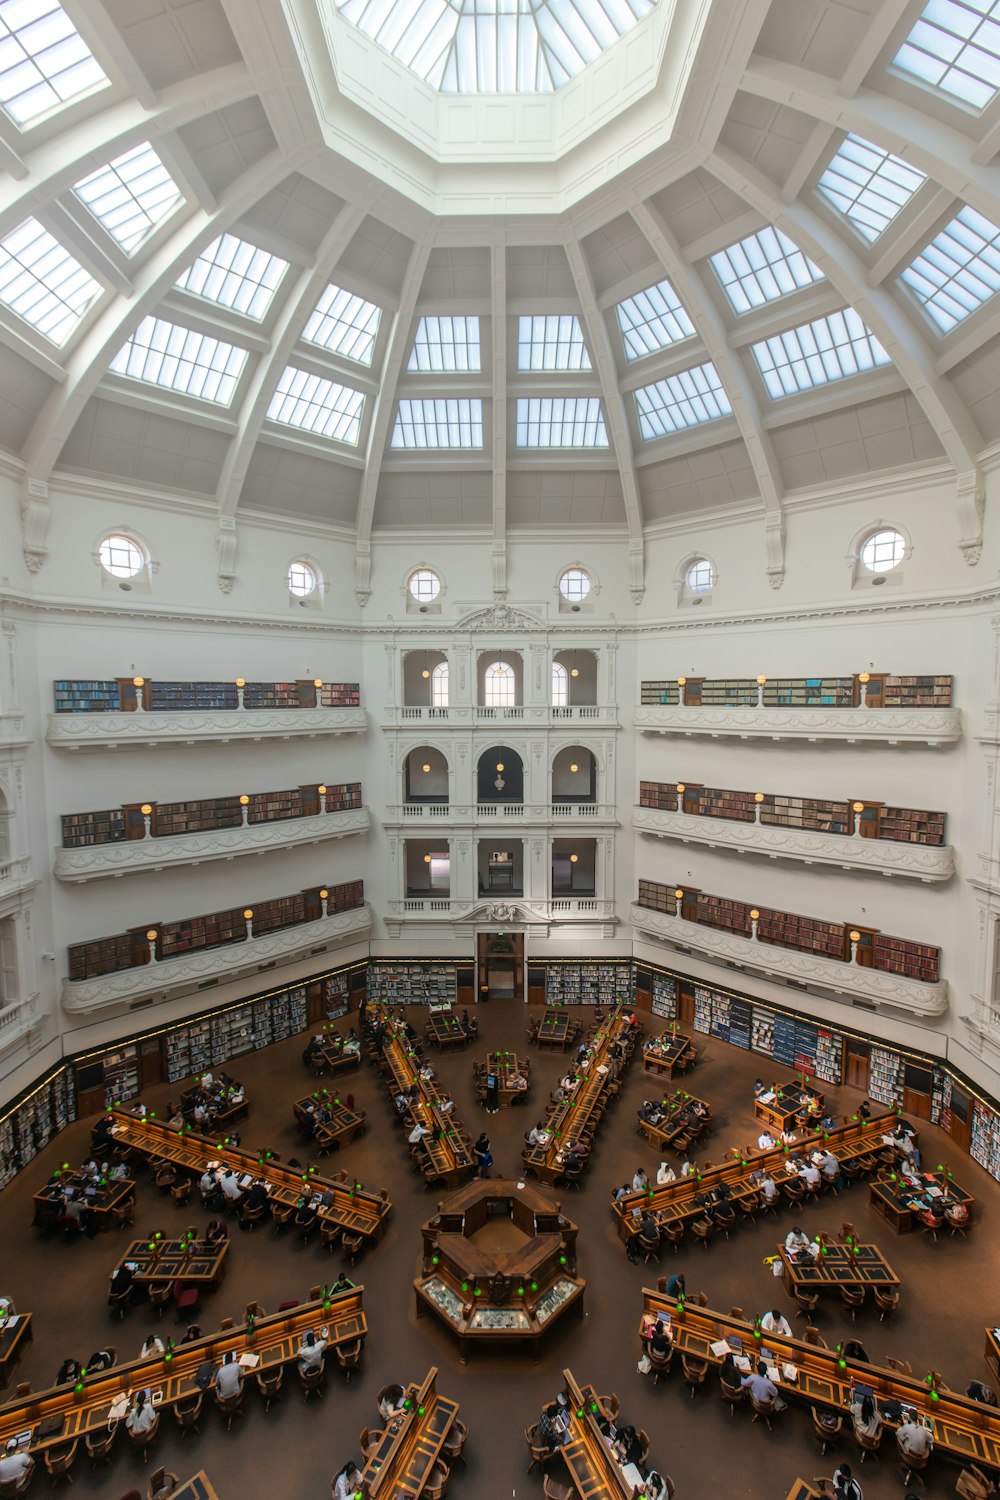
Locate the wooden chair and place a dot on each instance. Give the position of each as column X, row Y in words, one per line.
column 454, row 1443
column 867, row 1442
column 673, row 1234
column 811, row 1336
column 702, row 1231
column 650, row 1247
column 352, row 1245
column 159, row 1295
column 806, row 1303
column 555, row 1489
column 349, row 1357
column 610, row 1406
column 253, row 1216
column 181, row 1192
column 973, row 1484
column 886, row 1302
column 59, row 1461
column 902, row 1366
column 737, row 1312
column 913, row 1466
column 540, row 1452
column 166, row 1177
column 853, row 1298
column 827, row 1427
column 764, row 1411
column 120, row 1302
column 958, row 1219
column 124, row 1213
column 269, row 1384
column 230, row 1406
column 161, row 1484
column 282, row 1215
column 694, row 1372
column 368, row 1441
column 187, row 1413
column 144, row 1440
column 434, row 1484
column 99, row 1445
column 661, row 1363
column 749, row 1206
column 847, row 1232
column 311, row 1381
column 735, row 1395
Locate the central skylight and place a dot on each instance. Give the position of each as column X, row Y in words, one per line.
column 495, row 46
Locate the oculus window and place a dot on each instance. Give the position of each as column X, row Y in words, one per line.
column 120, row 556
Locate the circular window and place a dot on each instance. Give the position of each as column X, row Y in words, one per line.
column 574, row 585
column 301, row 579
column 700, row 576
column 121, row 557
column 424, row 585
column 883, row 551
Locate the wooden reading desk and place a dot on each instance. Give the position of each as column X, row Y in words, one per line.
column 674, row 1127
column 675, row 1201
column 900, row 1205
column 780, row 1106
column 331, row 1056
column 963, row 1429
column 401, row 1464
column 506, row 1066
column 353, row 1209
column 343, row 1126
column 837, row 1266
column 446, row 1152
column 275, row 1340
column 198, row 1263
column 569, row 1120
column 669, row 1053
column 800, row 1490
column 444, row 1030
column 15, row 1332
column 198, row 1487
column 111, row 1193
column 555, row 1031
column 223, row 1114
column 593, row 1468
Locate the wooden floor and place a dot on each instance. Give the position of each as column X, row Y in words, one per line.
column 949, row 1294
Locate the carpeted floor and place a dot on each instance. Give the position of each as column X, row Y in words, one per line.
column 949, row 1294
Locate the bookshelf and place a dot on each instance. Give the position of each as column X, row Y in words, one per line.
column 702, row 1009
column 984, row 1146
column 881, row 691
column 907, row 825
column 885, row 1076
column 589, row 982
column 174, row 819
column 81, row 830
column 813, row 814
column 917, row 692
column 784, row 929
column 664, row 996
column 660, row 795
column 86, row 697
column 247, row 1027
column 711, row 802
column 659, row 691
column 213, row 930
column 181, row 697
column 33, row 1119
column 117, row 695
column 412, row 983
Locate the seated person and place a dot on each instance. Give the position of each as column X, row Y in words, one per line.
column 810, row 1175
column 418, row 1132
column 761, row 1388
column 306, row 1214
column 311, row 1351
column 775, row 1322
column 765, row 1140
column 552, row 1427
column 866, row 1417
column 346, row 1484
column 768, row 1187
column 229, row 1186
column 979, row 1392
column 688, row 1169
column 229, row 1377
column 257, row 1197
column 854, row 1349
column 123, row 1280
column 913, row 1437
column 758, row 1087
column 343, row 1283
column 640, row 1182
column 538, row 1135
column 142, row 1417
column 659, row 1339
column 152, row 1345
column 391, row 1401
column 796, row 1241
column 216, row 1231
column 627, row 1446
column 829, row 1165
column 16, row 1467
column 69, row 1373
column 845, row 1486
column 664, row 1174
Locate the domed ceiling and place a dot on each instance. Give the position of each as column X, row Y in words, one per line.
column 396, row 264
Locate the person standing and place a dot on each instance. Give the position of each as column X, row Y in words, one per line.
column 483, row 1155
column 492, row 1092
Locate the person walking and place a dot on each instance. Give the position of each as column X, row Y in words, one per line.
column 483, row 1155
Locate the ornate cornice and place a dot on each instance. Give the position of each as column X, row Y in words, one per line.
column 890, row 726
column 500, row 619
column 916, row 861
column 101, row 860
column 87, row 996
column 106, row 731
column 812, row 969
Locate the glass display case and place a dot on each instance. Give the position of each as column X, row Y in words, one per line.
column 556, row 1297
column 511, row 1318
column 447, row 1301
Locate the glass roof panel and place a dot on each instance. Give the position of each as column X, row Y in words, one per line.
column 130, row 195
column 44, row 61
column 345, row 324
column 652, row 320
column 816, row 353
column 178, row 359
column 235, row 274
column 316, row 405
column 446, row 343
column 43, row 283
column 958, row 271
column 551, row 342
column 495, row 46
column 560, row 422
column 868, row 185
column 762, row 268
column 685, row 400
column 955, row 47
column 439, row 424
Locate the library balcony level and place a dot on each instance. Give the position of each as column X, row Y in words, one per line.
column 15, row 877
column 469, row 716
column 851, row 981
column 540, row 914
column 542, row 813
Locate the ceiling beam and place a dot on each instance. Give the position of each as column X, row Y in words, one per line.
column 888, row 15
column 498, row 414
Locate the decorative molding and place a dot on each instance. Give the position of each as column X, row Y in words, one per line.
column 970, row 494
column 98, row 861
column 12, row 732
column 15, row 878
column 499, row 619
column 106, row 731
column 879, row 856
column 36, row 516
column 812, row 969
column 411, row 815
column 225, row 542
column 890, row 726
column 465, row 716
column 553, row 912
column 86, row 996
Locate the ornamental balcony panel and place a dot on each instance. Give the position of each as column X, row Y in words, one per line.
column 13, row 732
column 473, row 716
column 496, row 909
column 99, row 861
column 926, row 862
column 101, row 731
column 891, row 726
column 188, row 970
column 535, row 813
column 852, row 981
column 15, row 877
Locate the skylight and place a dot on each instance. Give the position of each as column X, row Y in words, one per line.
column 447, row 343
column 345, row 324
column 955, row 47
column 236, row 275
column 164, row 354
column 958, row 271
column 815, row 353
column 652, row 320
column 762, row 268
column 560, row 422
column 551, row 342
column 680, row 401
column 42, row 283
column 316, row 405
column 44, row 62
column 130, row 195
column 439, row 424
column 495, row 46
column 868, row 185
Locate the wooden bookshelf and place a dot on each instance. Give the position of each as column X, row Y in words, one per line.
column 81, row 830
column 174, row 819
column 881, row 690
column 788, row 930
column 813, row 814
column 119, row 695
column 213, row 930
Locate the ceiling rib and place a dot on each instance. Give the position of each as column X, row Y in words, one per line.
column 498, row 414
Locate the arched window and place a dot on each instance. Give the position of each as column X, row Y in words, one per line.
column 499, row 685
column 439, row 685
column 560, row 685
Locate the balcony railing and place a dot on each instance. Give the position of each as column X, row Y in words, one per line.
column 105, row 731
column 15, row 876
column 891, row 726
column 470, row 715
column 526, row 812
column 517, row 908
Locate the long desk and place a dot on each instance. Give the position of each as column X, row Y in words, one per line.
column 275, row 1340
column 15, row 1332
column 406, row 1453
column 673, row 1127
column 670, row 1051
column 963, row 1429
column 569, row 1119
column 198, row 1487
column 800, row 1490
column 900, row 1206
column 555, row 1031
column 448, row 1156
column 353, row 1209
column 593, row 1468
column 782, row 1110
column 444, row 1030
column 506, row 1066
column 675, row 1201
column 343, row 1126
column 111, row 1193
column 838, row 1265
column 199, row 1263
